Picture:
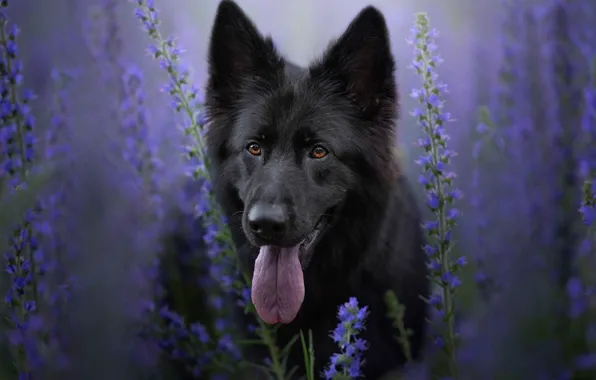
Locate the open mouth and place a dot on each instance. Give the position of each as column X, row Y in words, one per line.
column 278, row 281
column 305, row 247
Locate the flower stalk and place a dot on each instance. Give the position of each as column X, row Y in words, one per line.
column 437, row 181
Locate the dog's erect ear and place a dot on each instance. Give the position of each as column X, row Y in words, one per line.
column 238, row 53
column 361, row 60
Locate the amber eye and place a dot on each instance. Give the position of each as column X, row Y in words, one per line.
column 254, row 149
column 318, row 152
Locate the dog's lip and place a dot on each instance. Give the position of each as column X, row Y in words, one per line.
column 314, row 233
column 305, row 252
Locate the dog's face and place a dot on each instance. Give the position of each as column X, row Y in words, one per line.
column 294, row 143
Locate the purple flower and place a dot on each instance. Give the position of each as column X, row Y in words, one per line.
column 347, row 363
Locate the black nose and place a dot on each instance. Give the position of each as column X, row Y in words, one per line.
column 269, row 222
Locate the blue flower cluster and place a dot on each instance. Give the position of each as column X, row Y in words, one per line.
column 347, row 363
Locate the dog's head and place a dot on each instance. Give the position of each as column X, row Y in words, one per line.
column 292, row 143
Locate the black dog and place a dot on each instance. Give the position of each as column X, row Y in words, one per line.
column 305, row 171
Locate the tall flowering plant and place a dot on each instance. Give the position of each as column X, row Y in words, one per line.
column 16, row 158
column 438, row 183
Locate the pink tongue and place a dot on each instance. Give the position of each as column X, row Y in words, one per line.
column 277, row 284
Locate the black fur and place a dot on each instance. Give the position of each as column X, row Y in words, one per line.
column 347, row 103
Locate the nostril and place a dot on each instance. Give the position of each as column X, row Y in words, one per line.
column 277, row 227
column 255, row 227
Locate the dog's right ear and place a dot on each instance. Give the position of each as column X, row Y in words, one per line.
column 238, row 56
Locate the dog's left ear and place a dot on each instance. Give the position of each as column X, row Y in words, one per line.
column 361, row 61
column 238, row 54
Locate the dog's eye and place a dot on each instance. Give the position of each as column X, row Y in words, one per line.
column 318, row 152
column 254, row 149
